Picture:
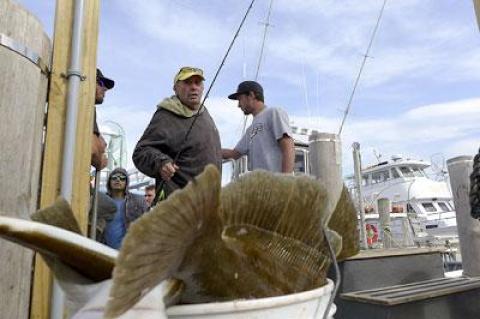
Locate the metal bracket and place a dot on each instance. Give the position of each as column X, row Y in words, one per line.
column 75, row 73
column 25, row 52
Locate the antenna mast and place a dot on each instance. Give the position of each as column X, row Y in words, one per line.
column 267, row 25
column 357, row 80
column 260, row 58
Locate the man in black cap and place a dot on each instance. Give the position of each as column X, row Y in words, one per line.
column 99, row 159
column 268, row 140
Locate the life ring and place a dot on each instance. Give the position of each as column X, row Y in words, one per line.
column 372, row 234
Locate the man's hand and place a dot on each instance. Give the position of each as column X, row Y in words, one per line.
column 99, row 158
column 230, row 154
column 168, row 170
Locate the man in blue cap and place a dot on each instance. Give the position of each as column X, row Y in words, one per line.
column 268, row 140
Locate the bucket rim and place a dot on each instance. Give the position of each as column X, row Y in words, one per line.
column 251, row 304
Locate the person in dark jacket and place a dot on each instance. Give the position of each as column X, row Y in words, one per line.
column 112, row 226
column 99, row 159
column 164, row 137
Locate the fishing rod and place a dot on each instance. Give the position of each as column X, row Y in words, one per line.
column 195, row 117
column 357, row 80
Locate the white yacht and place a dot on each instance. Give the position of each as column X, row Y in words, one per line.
column 410, row 190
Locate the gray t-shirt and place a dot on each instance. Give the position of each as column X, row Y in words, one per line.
column 260, row 141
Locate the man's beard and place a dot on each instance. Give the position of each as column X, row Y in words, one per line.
column 98, row 101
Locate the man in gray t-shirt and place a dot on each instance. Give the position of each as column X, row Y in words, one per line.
column 268, row 140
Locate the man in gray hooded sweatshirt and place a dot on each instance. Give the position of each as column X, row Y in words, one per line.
column 164, row 137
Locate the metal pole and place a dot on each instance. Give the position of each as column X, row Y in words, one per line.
column 357, row 166
column 93, row 221
column 459, row 169
column 74, row 77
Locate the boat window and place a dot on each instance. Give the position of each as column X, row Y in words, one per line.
column 394, row 173
column 380, row 176
column 429, row 207
column 299, row 161
column 410, row 208
column 364, row 180
column 406, row 171
column 417, row 172
column 444, row 206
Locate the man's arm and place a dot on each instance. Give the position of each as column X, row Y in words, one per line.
column 287, row 147
column 147, row 155
column 99, row 158
column 230, row 154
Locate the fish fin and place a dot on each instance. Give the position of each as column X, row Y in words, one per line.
column 155, row 244
column 293, row 207
column 59, row 214
column 344, row 221
column 335, row 241
column 283, row 265
column 58, row 246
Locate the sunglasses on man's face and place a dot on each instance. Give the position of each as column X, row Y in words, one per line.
column 118, row 178
column 101, row 83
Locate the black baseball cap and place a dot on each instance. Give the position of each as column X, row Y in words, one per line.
column 245, row 87
column 109, row 83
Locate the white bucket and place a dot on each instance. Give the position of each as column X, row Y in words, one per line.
column 308, row 304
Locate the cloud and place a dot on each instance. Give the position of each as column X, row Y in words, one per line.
column 448, row 128
column 181, row 26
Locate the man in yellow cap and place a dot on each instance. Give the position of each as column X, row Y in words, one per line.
column 164, row 137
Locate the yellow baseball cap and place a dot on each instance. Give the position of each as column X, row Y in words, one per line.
column 187, row 72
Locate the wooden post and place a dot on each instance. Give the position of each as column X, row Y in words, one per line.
column 459, row 169
column 384, row 209
column 23, row 92
column 50, row 188
column 357, row 167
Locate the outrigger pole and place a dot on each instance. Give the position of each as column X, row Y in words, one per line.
column 364, row 61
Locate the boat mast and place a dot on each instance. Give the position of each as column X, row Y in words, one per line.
column 260, row 59
column 265, row 30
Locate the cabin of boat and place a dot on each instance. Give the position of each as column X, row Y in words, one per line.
column 410, row 190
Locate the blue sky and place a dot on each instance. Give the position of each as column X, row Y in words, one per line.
column 418, row 96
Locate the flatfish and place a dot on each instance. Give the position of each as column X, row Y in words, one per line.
column 261, row 236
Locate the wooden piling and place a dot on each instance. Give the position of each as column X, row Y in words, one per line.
column 325, row 155
column 25, row 53
column 459, row 169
